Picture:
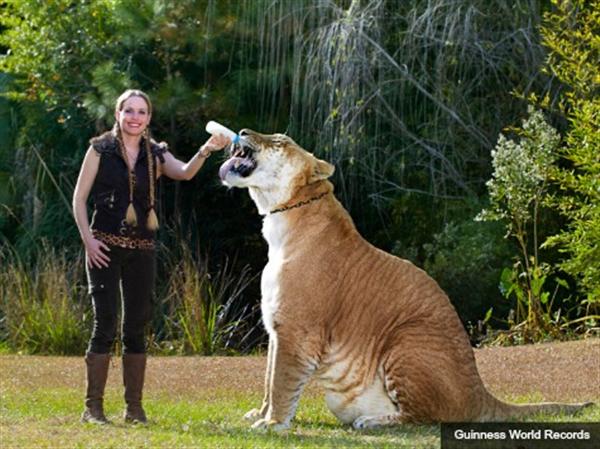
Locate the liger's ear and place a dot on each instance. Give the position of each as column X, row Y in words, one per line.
column 321, row 170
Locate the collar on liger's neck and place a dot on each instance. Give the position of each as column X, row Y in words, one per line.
column 298, row 204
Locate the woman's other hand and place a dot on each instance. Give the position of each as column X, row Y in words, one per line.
column 95, row 254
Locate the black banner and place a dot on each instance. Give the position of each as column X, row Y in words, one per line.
column 520, row 435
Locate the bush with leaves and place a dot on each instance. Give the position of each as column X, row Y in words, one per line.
column 466, row 259
column 203, row 313
column 44, row 309
column 570, row 34
column 517, row 190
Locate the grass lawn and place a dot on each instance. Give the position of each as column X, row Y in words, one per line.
column 48, row 418
column 198, row 402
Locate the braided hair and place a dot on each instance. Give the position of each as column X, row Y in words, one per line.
column 131, row 215
column 152, row 219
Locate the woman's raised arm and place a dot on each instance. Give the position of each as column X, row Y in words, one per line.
column 176, row 169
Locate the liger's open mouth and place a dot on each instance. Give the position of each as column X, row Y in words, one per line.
column 241, row 161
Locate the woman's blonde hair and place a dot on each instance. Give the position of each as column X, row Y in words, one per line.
column 131, row 216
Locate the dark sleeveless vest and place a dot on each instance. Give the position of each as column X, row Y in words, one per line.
column 110, row 191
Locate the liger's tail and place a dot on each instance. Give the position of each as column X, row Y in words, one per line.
column 497, row 410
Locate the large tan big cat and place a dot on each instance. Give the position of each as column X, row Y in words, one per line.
column 376, row 331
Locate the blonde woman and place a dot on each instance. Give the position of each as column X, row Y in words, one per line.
column 120, row 171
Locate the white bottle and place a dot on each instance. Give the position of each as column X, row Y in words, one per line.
column 216, row 128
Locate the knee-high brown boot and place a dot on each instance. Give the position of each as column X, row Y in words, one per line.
column 134, row 368
column 97, row 373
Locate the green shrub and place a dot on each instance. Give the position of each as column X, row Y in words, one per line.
column 466, row 258
column 518, row 190
column 570, row 33
column 44, row 307
column 204, row 313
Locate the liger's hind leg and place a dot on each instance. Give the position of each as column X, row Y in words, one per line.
column 435, row 383
column 389, row 419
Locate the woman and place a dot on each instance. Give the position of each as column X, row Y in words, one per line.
column 120, row 171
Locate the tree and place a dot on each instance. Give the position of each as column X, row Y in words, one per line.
column 51, row 48
column 571, row 34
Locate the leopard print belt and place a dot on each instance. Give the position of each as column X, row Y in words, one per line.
column 124, row 242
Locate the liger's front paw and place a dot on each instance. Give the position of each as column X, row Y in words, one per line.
column 270, row 424
column 253, row 415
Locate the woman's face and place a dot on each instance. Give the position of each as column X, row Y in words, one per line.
column 134, row 116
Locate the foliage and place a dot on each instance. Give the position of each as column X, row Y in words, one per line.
column 53, row 48
column 571, row 35
column 521, row 172
column 7, row 132
column 405, row 98
column 401, row 96
column 204, row 312
column 43, row 305
column 517, row 191
column 473, row 253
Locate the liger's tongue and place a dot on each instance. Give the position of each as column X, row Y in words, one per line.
column 226, row 167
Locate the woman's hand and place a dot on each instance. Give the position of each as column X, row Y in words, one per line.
column 215, row 143
column 94, row 254
column 175, row 169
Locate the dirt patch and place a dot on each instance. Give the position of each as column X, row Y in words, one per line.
column 568, row 371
